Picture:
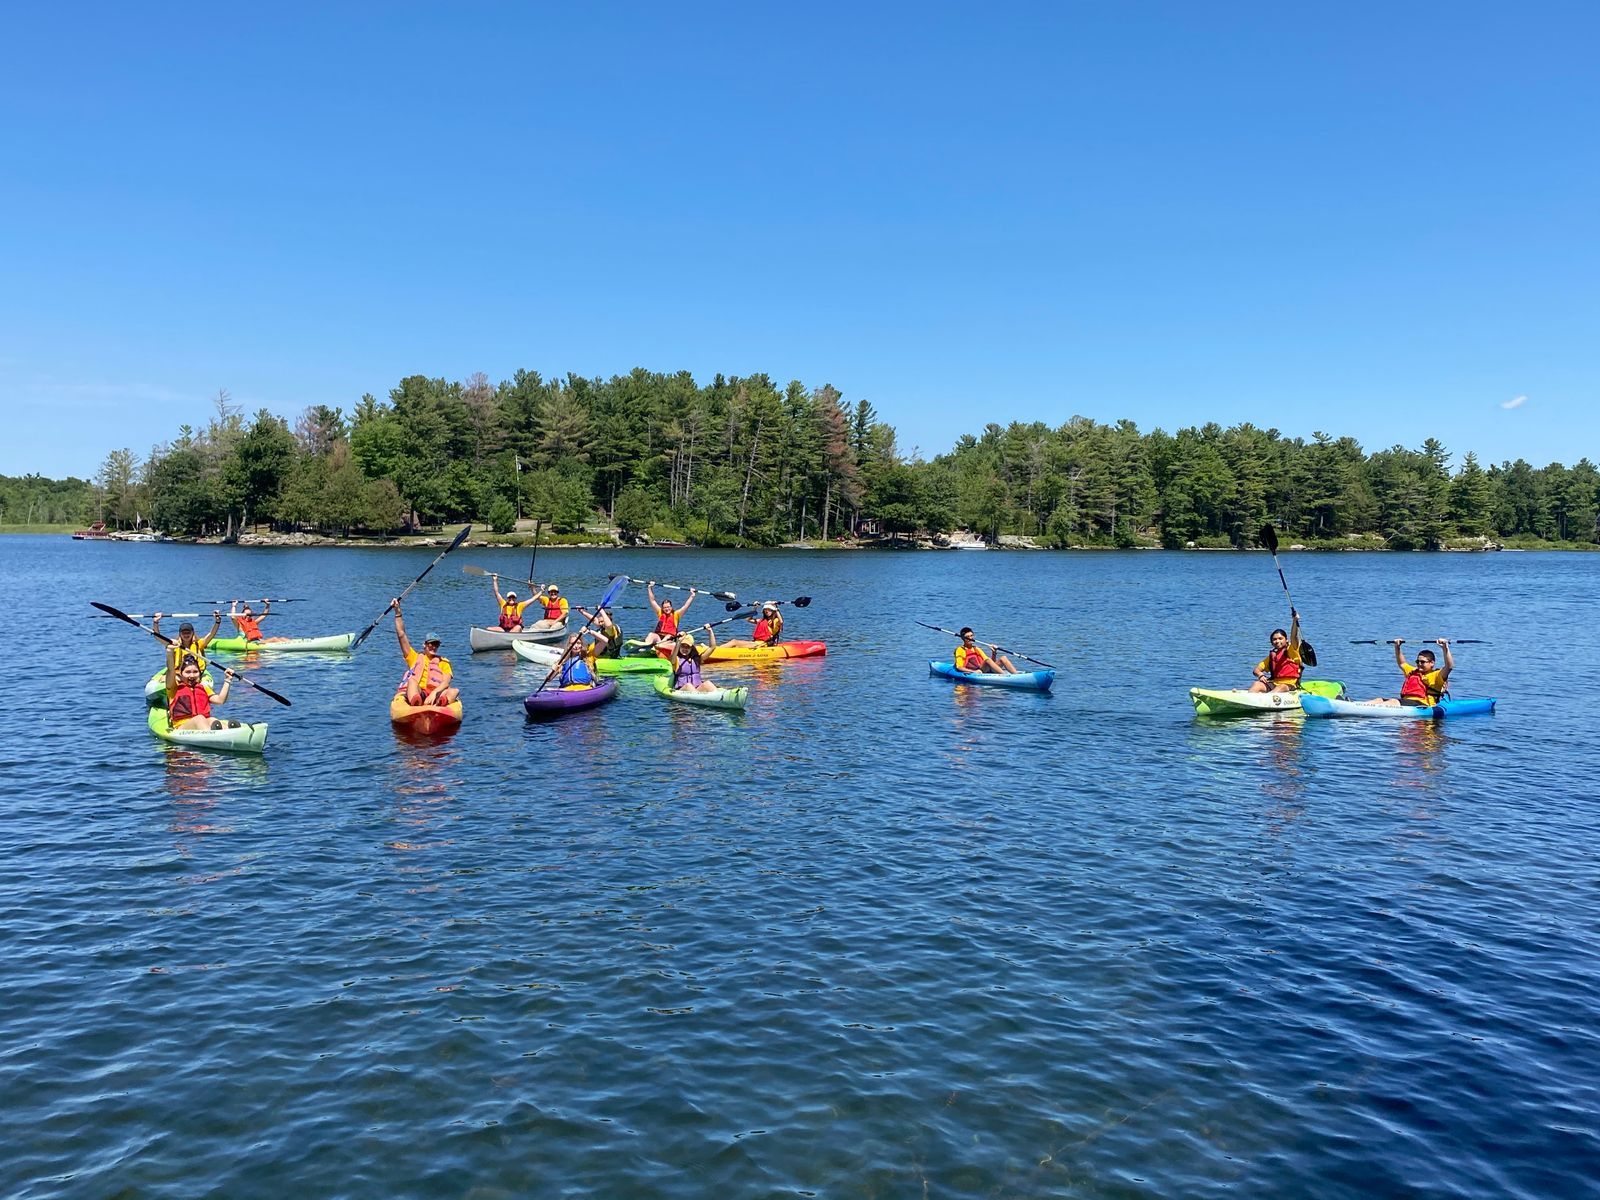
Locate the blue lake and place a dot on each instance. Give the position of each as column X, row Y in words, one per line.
column 880, row 936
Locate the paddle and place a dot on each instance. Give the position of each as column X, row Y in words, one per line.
column 469, row 569
column 122, row 616
column 367, row 632
column 1269, row 539
column 536, row 527
column 244, row 600
column 164, row 616
column 678, row 587
column 997, row 649
column 1423, row 641
column 798, row 602
column 618, row 582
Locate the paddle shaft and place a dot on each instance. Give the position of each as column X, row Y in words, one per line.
column 161, row 637
column 164, row 616
column 997, row 649
column 683, row 587
column 367, row 632
column 1419, row 641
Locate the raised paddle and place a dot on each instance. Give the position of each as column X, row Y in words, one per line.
column 618, row 582
column 367, row 632
column 1269, row 539
column 244, row 600
column 1422, row 641
column 536, row 527
column 678, row 587
column 997, row 649
column 469, row 569
column 122, row 616
column 164, row 616
column 797, row 602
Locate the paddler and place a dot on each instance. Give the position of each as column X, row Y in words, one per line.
column 555, row 604
column 427, row 677
column 578, row 671
column 1279, row 671
column 192, row 647
column 969, row 656
column 188, row 702
column 667, row 617
column 248, row 623
column 1424, row 684
column 686, row 658
column 606, row 632
column 510, row 607
column 768, row 627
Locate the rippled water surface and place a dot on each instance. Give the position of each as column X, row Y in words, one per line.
column 879, row 936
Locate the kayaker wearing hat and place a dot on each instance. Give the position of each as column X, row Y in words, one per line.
column 188, row 702
column 1279, row 671
column 667, row 617
column 607, row 633
column 192, row 647
column 970, row 657
column 510, row 608
column 555, row 604
column 768, row 622
column 1424, row 685
column 578, row 670
column 686, row 658
column 427, row 677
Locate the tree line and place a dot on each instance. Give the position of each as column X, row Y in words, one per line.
column 742, row 461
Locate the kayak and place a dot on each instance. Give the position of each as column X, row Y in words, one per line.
column 1240, row 702
column 1322, row 706
column 247, row 739
column 553, row 702
column 155, row 692
column 767, row 653
column 480, row 638
column 734, row 697
column 548, row 656
column 426, row 718
column 1027, row 681
column 238, row 645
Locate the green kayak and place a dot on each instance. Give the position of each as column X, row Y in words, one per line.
column 734, row 697
column 238, row 645
column 548, row 656
column 247, row 739
column 1239, row 702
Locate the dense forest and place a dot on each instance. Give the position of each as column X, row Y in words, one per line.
column 744, row 461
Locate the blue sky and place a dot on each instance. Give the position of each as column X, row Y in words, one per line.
column 1375, row 220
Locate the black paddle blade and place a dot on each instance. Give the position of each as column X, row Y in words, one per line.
column 732, row 606
column 1268, row 537
column 1307, row 654
column 723, row 595
column 801, row 601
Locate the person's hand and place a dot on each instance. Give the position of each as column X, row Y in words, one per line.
column 217, row 613
column 158, row 616
column 694, row 591
column 706, row 627
column 1397, row 641
column 227, row 672
column 1441, row 642
column 652, row 583
column 265, row 602
column 1293, row 612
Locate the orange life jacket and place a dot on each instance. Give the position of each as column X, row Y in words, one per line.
column 249, row 628
column 1281, row 666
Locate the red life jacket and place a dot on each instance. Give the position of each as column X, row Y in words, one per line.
column 1416, row 688
column 552, row 609
column 510, row 616
column 186, row 702
column 667, row 625
column 1281, row 666
column 763, row 631
column 249, row 629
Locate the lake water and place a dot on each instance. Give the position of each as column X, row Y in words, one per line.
column 881, row 936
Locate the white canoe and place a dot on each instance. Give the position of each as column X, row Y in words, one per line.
column 498, row 639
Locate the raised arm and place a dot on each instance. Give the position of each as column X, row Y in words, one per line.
column 221, row 697
column 1449, row 662
column 711, row 634
column 494, row 582
column 1294, row 628
column 400, row 630
column 1399, row 658
column 650, row 593
column 172, row 667
column 216, row 624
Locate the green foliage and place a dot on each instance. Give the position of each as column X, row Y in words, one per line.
column 503, row 516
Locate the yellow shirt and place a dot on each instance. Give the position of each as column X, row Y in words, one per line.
column 1293, row 653
column 192, row 650
column 970, row 660
column 515, row 609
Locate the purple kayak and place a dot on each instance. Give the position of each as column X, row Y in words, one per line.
column 554, row 701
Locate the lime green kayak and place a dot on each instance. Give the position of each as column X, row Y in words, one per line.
column 639, row 664
column 233, row 735
column 1240, row 702
column 238, row 645
column 734, row 697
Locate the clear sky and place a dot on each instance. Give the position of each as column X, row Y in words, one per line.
column 1371, row 219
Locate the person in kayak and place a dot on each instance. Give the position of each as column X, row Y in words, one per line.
column 555, row 604
column 1279, row 671
column 427, row 677
column 667, row 617
column 188, row 702
column 1424, row 684
column 192, row 647
column 768, row 628
column 606, row 632
column 686, row 658
column 578, row 671
column 245, row 619
column 510, row 607
column 969, row 656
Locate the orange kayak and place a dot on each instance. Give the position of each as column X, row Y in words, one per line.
column 429, row 718
column 767, row 653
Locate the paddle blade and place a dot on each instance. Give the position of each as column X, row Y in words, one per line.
column 1268, row 537
column 722, row 595
column 615, row 590
column 1307, row 654
column 801, row 601
column 469, row 569
column 732, row 606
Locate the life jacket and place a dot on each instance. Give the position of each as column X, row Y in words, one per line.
column 611, row 643
column 687, row 672
column 1282, row 667
column 511, row 615
column 667, row 624
column 1415, row 687
column 555, row 608
column 970, row 660
column 575, row 672
column 768, row 630
column 249, row 628
column 427, row 677
column 186, row 702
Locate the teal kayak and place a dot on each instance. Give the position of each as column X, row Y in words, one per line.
column 1322, row 706
column 230, row 735
column 734, row 697
column 1026, row 681
column 238, row 645
column 155, row 692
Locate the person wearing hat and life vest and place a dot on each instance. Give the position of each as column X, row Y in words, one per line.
column 248, row 622
column 1279, row 671
column 191, row 646
column 606, row 632
column 768, row 622
column 427, row 677
column 686, row 658
column 1424, row 684
column 555, row 604
column 510, row 607
column 188, row 702
column 667, row 617
column 969, row 656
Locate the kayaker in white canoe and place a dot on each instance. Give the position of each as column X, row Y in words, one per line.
column 192, row 647
column 555, row 604
column 189, row 704
column 510, row 607
column 427, row 677
column 686, row 658
column 1279, row 671
column 1424, row 684
column 969, row 656
column 768, row 628
column 667, row 617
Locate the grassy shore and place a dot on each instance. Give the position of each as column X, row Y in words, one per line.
column 68, row 528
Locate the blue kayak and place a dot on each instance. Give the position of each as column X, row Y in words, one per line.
column 1027, row 681
column 1323, row 706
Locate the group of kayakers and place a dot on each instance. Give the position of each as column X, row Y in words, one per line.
column 1422, row 684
